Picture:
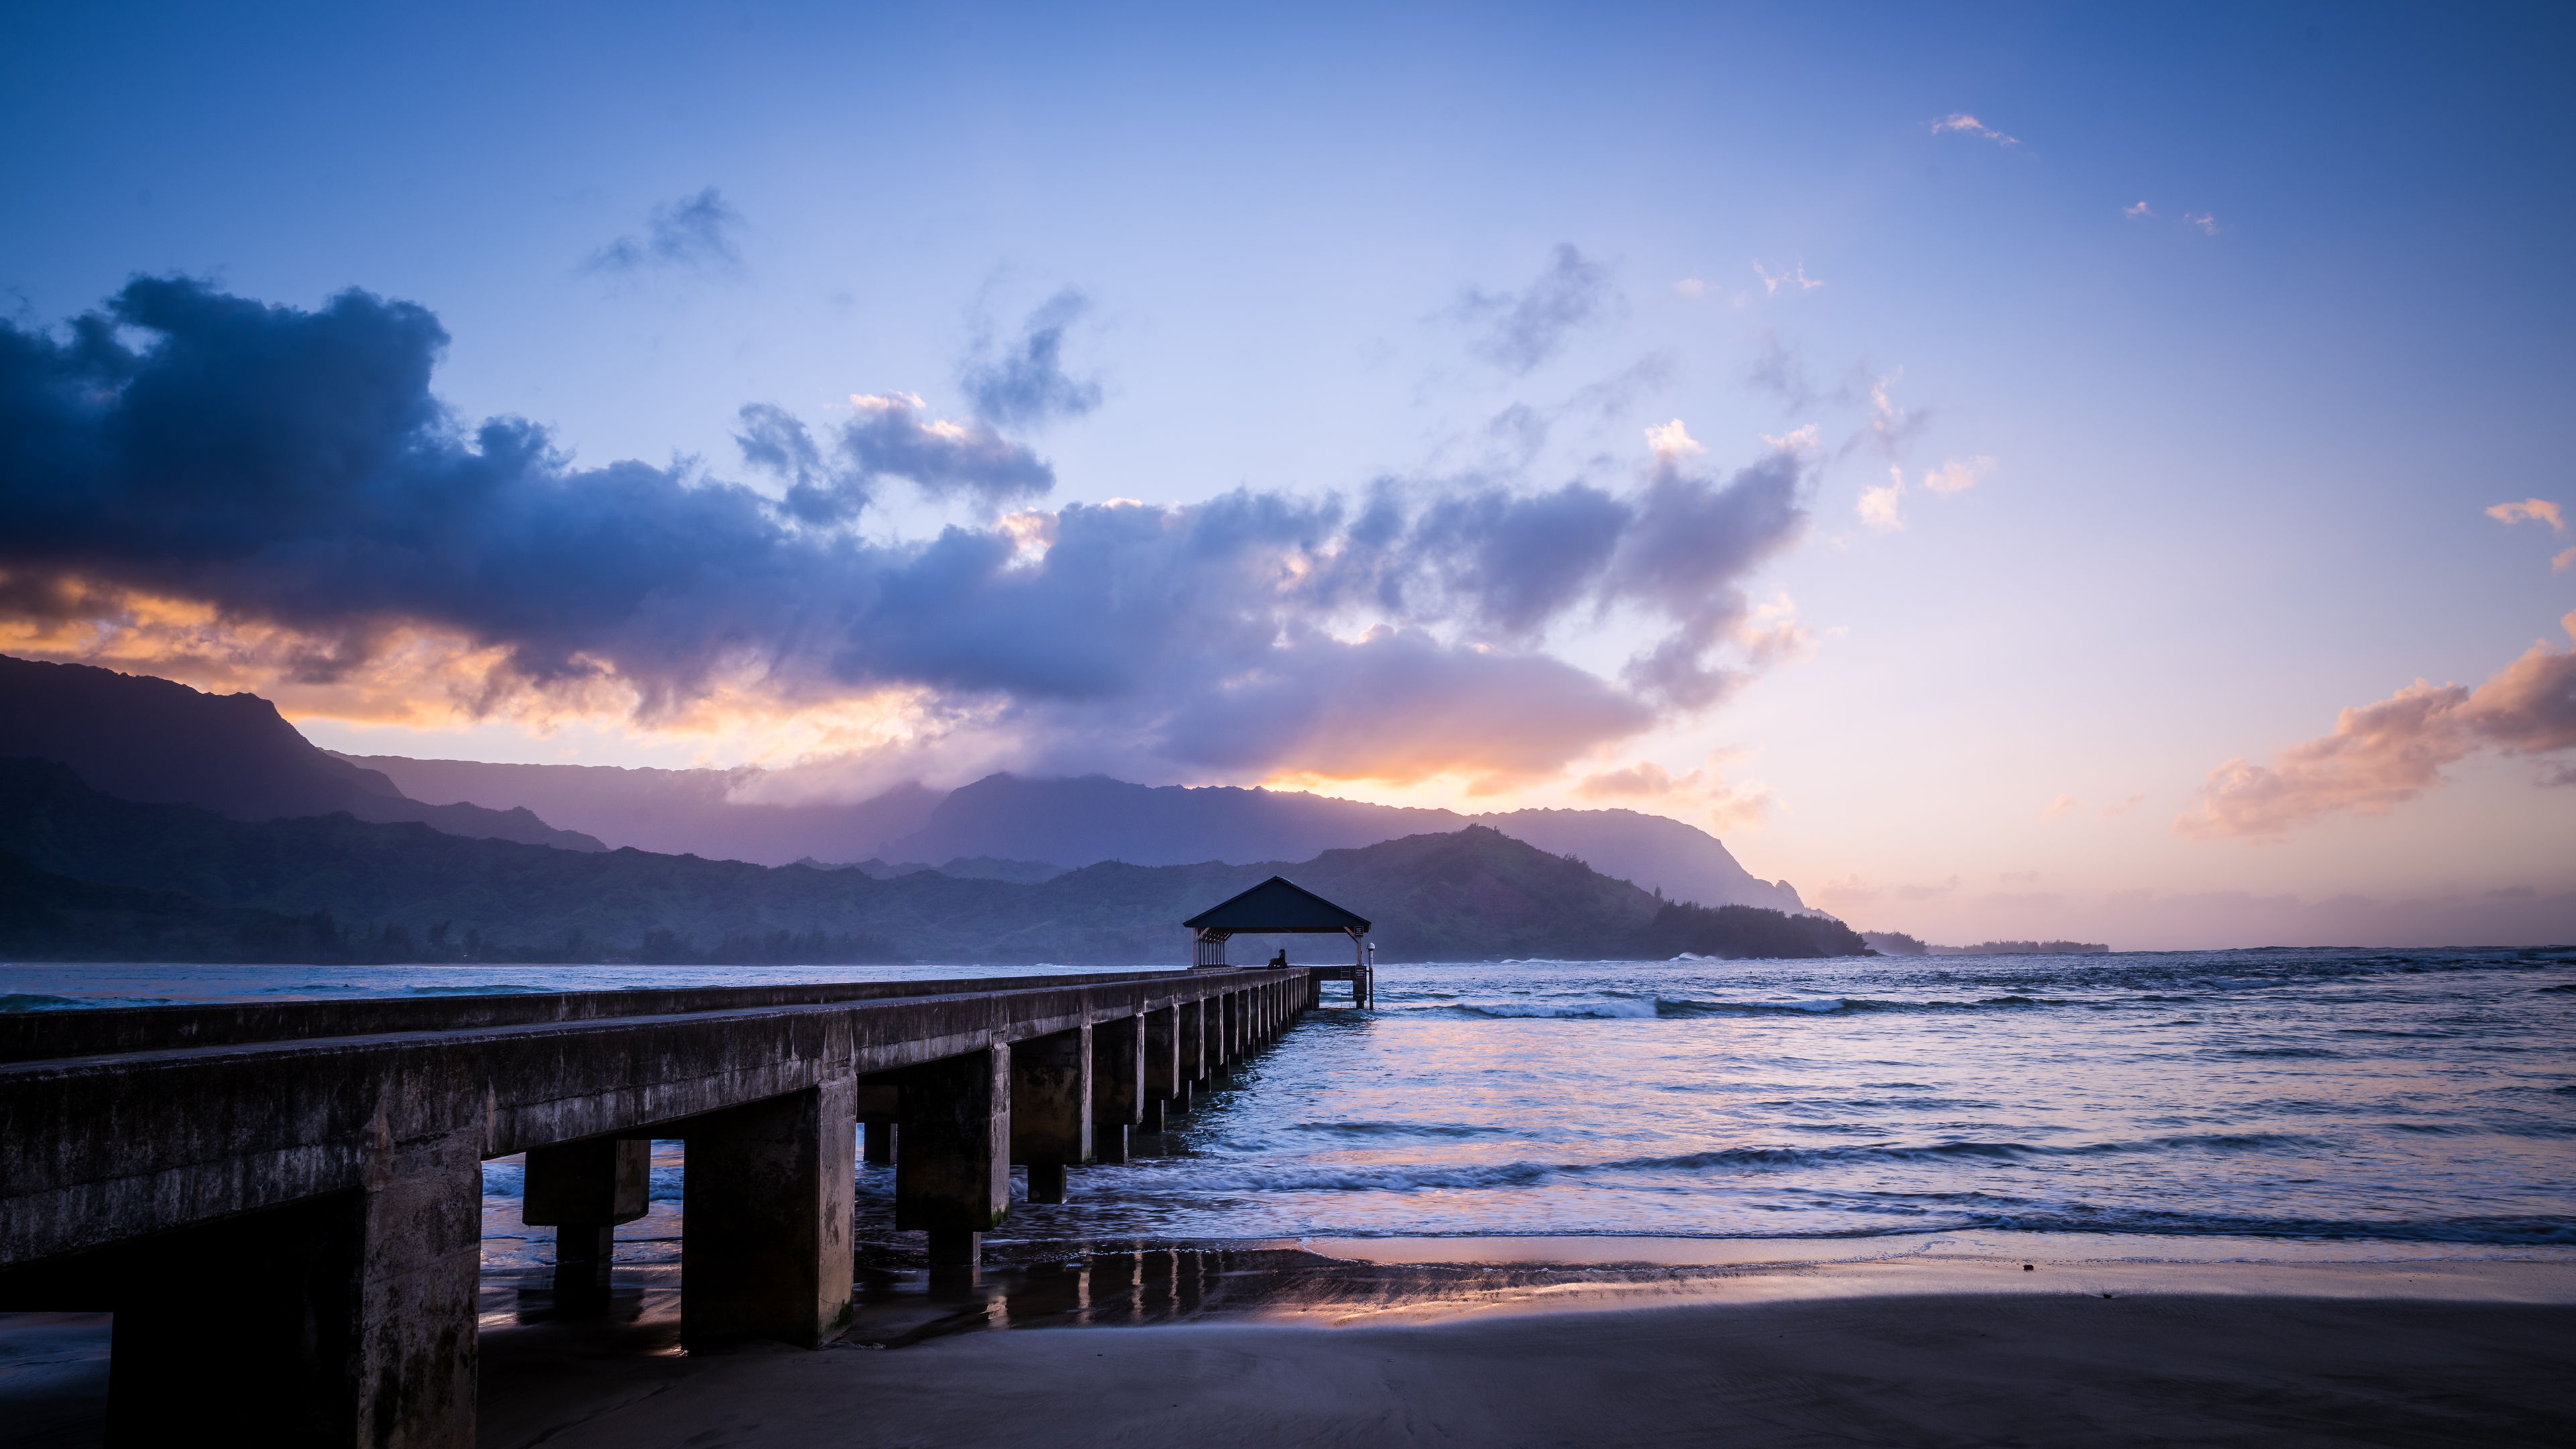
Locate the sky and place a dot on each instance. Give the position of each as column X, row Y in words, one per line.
column 2013, row 472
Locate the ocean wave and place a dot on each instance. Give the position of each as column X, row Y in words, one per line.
column 1430, row 1177
column 1576, row 1009
column 38, row 1001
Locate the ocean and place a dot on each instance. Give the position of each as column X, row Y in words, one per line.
column 2271, row 1103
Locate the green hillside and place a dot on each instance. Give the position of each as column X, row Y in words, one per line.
column 359, row 891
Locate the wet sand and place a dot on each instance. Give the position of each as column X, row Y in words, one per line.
column 1490, row 1342
column 1293, row 1349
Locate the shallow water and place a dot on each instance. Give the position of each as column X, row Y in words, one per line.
column 2364, row 1098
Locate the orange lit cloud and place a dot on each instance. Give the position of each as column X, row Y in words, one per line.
column 1702, row 792
column 2529, row 510
column 2382, row 755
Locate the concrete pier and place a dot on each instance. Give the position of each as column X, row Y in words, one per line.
column 313, row 1170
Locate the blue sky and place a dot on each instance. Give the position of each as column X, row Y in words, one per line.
column 2240, row 446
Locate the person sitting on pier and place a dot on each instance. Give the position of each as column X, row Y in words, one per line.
column 1281, row 959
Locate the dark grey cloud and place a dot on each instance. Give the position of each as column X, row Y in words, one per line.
column 694, row 233
column 1521, row 330
column 1692, row 540
column 291, row 468
column 1027, row 384
column 893, row 435
column 775, row 441
column 1515, row 563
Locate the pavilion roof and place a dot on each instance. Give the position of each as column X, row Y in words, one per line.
column 1277, row 905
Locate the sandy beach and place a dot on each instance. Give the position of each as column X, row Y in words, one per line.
column 1960, row 1351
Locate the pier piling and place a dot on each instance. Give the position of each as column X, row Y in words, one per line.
column 1051, row 1108
column 952, row 1175
column 1117, row 1085
column 765, row 1246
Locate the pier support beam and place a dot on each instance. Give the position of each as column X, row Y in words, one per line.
column 879, row 1106
column 952, row 1176
column 1051, row 1108
column 1194, row 1049
column 765, row 1241
column 583, row 1190
column 341, row 1320
column 1162, row 1040
column 1117, row 1085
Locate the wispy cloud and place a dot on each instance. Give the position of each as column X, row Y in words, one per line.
column 1882, row 507
column 1795, row 278
column 1703, row 791
column 2529, row 510
column 1026, row 384
column 1969, row 125
column 692, row 234
column 1957, row 475
column 2382, row 755
column 891, row 434
column 2139, row 210
column 1530, row 327
column 2065, row 805
column 1892, row 426
column 1691, row 287
column 2206, row 222
column 1778, row 371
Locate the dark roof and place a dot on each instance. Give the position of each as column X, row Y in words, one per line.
column 1277, row 905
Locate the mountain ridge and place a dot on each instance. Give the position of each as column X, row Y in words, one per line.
column 156, row 741
column 1069, row 821
column 1469, row 894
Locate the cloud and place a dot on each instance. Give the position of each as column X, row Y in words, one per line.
column 2382, row 755
column 1957, row 476
column 1966, row 124
column 1702, row 791
column 694, row 234
column 2139, row 210
column 1518, row 562
column 2529, row 510
column 2062, row 805
column 2564, row 561
column 268, row 493
column 1691, row 287
column 890, row 434
column 2206, row 222
column 1891, row 428
column 775, row 441
column 1672, row 440
column 1690, row 541
column 1532, row 326
column 2114, row 812
column 1879, row 507
column 1796, row 277
column 1027, row 385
